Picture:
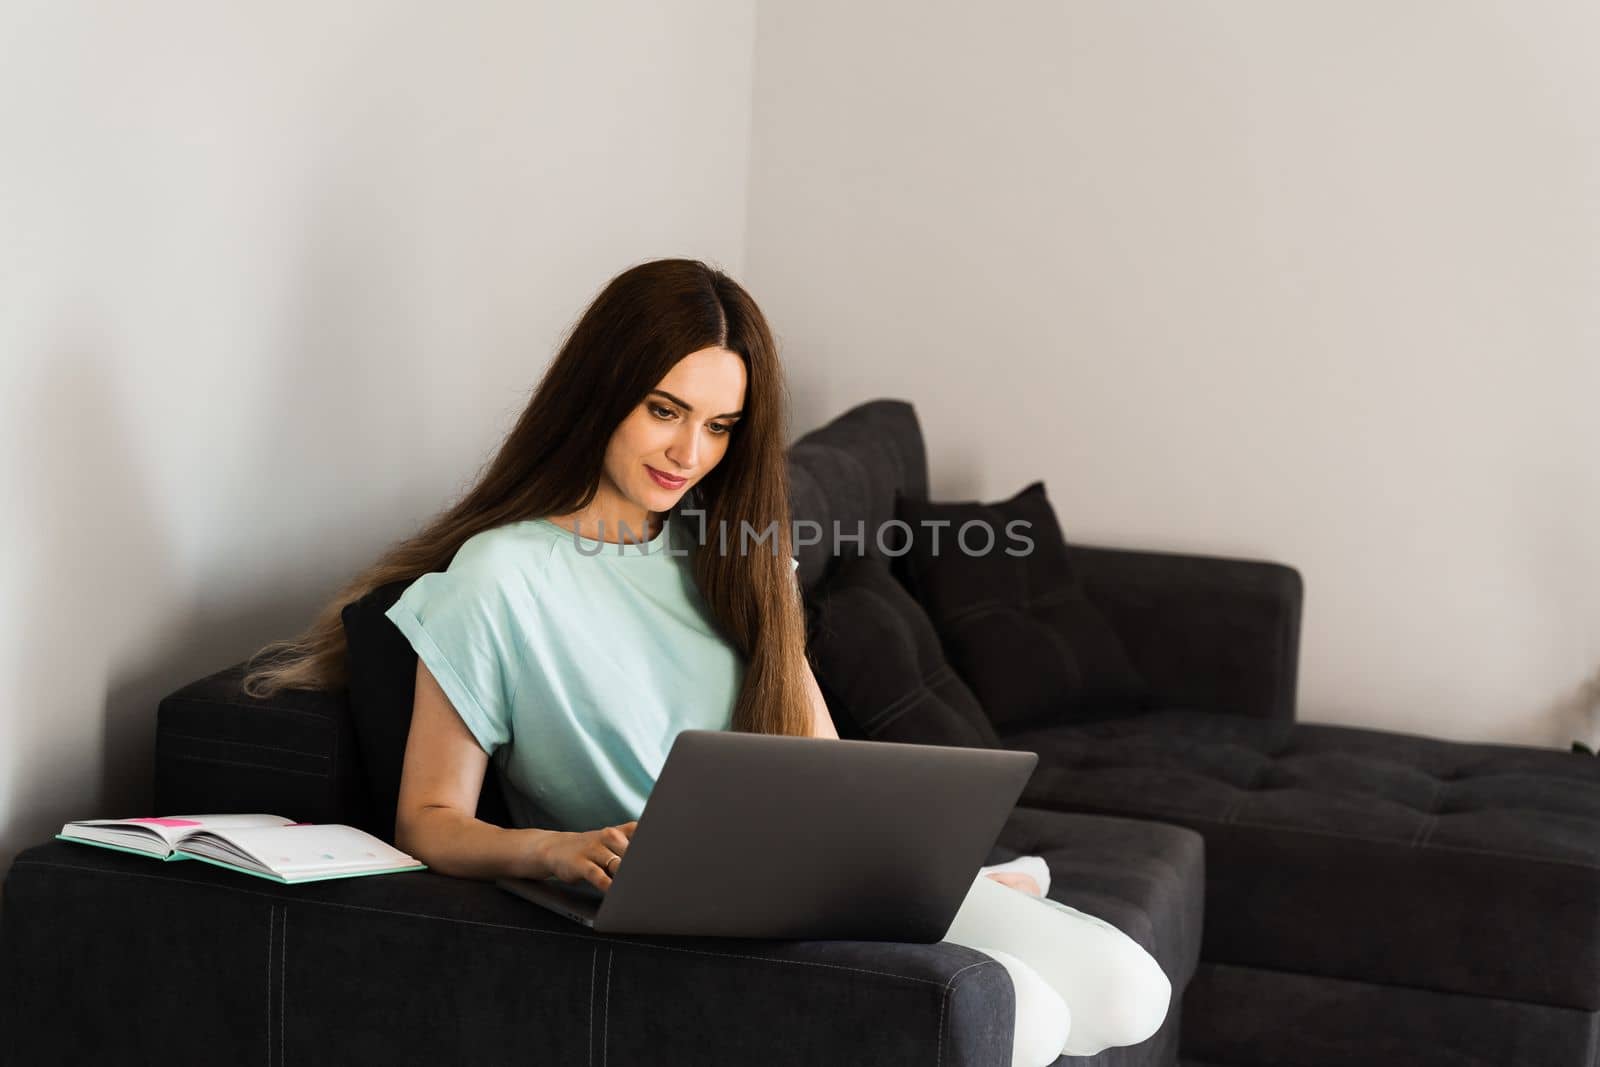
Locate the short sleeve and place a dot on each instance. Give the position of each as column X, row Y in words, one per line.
column 462, row 628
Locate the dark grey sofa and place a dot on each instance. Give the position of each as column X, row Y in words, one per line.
column 1364, row 897
column 108, row 957
column 1371, row 897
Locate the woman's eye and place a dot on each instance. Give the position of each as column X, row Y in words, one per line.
column 719, row 428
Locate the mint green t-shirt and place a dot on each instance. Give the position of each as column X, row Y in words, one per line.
column 574, row 662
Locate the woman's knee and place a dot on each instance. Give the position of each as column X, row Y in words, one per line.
column 1135, row 996
column 1116, row 991
column 1149, row 998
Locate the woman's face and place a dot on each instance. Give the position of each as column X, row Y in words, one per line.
column 680, row 429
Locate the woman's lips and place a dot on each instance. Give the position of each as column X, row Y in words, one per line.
column 665, row 481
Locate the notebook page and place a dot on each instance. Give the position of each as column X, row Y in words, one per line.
column 319, row 848
column 171, row 828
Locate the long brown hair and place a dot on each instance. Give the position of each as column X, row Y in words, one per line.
column 638, row 327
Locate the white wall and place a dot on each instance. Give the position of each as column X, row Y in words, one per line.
column 274, row 281
column 1305, row 282
column 1308, row 282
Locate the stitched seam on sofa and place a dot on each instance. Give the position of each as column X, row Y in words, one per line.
column 244, row 744
column 945, row 1000
column 283, row 975
column 994, row 604
column 982, row 607
column 887, row 719
column 798, row 963
column 319, row 716
column 254, row 766
column 898, row 704
column 1437, row 848
column 1181, row 816
column 172, row 879
column 915, row 699
column 605, row 1014
column 272, row 912
column 592, row 959
column 1386, row 985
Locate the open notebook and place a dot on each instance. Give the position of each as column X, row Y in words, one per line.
column 267, row 846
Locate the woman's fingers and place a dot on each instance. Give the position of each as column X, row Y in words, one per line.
column 604, row 855
column 607, row 857
column 597, row 877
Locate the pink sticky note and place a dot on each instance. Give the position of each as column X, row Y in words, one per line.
column 168, row 822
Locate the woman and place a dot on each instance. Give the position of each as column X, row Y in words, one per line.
column 578, row 600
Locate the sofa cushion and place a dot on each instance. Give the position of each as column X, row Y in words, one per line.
column 1018, row 628
column 1360, row 854
column 879, row 665
column 382, row 668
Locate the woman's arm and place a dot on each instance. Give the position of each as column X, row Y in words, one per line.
column 436, row 820
column 821, row 721
column 440, row 780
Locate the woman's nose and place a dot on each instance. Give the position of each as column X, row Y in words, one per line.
column 684, row 450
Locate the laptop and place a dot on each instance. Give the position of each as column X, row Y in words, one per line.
column 757, row 835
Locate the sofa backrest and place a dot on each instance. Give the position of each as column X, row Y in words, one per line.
column 294, row 754
column 845, row 476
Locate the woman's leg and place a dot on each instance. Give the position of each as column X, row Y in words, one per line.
column 1043, row 1019
column 1116, row 992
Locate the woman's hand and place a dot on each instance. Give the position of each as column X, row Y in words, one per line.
column 1016, row 880
column 590, row 855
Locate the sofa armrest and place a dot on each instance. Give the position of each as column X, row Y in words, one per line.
column 1206, row 632
column 107, row 957
column 220, row 750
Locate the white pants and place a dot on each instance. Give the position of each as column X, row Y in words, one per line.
column 1082, row 985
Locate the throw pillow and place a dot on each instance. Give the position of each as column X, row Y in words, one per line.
column 877, row 661
column 1019, row 629
column 382, row 669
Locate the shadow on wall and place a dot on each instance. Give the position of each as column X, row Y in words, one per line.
column 93, row 565
column 117, row 603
